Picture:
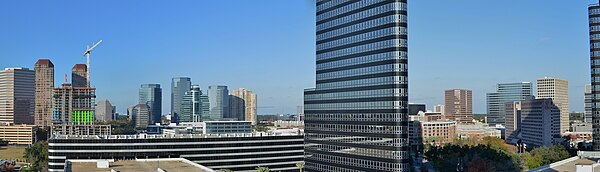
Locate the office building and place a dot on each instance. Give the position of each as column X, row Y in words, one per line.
column 512, row 122
column 439, row 109
column 588, row 103
column 191, row 107
column 476, row 131
column 224, row 127
column 540, row 122
column 140, row 116
column 557, row 90
column 594, row 23
column 458, row 105
column 73, row 105
column 236, row 152
column 104, row 111
column 21, row 134
column 44, row 90
column 414, row 109
column 179, row 85
column 218, row 98
column 83, row 129
column 79, row 75
column 242, row 103
column 356, row 119
column 506, row 92
column 17, row 96
column 151, row 95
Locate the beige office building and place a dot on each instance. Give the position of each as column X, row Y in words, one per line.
column 44, row 89
column 458, row 105
column 243, row 102
column 17, row 96
column 557, row 90
column 18, row 134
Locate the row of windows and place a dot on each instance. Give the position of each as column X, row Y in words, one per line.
column 595, row 20
column 375, row 165
column 360, row 15
column 595, row 37
column 361, row 151
column 357, row 128
column 373, row 141
column 360, row 26
column 137, row 147
column 594, row 11
column 356, row 94
column 356, row 117
column 393, row 43
column 167, row 140
column 362, row 37
column 594, row 28
column 396, row 67
column 358, row 105
column 342, row 10
column 364, row 82
column 364, row 59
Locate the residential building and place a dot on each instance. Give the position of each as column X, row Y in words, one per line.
column 414, row 109
column 438, row 132
column 588, row 103
column 179, row 85
column 73, row 105
column 151, row 95
column 140, row 116
column 356, row 118
column 44, row 90
column 512, row 122
column 191, row 107
column 458, row 105
column 438, row 108
column 242, row 103
column 557, row 90
column 17, row 96
column 104, row 111
column 79, row 75
column 21, row 134
column 594, row 23
column 236, row 152
column 540, row 122
column 505, row 92
column 218, row 99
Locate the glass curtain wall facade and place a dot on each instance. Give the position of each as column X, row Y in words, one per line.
column 356, row 117
column 594, row 17
column 191, row 107
column 179, row 85
column 218, row 99
column 507, row 92
column 151, row 95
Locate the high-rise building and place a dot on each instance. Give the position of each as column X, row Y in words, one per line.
column 458, row 105
column 512, row 122
column 191, row 107
column 588, row 103
column 44, row 90
column 507, row 92
column 218, row 98
column 151, row 95
column 356, row 118
column 413, row 108
column 17, row 96
column 79, row 75
column 594, row 23
column 140, row 115
column 540, row 122
column 242, row 103
column 73, row 105
column 438, row 109
column 104, row 111
column 179, row 85
column 557, row 90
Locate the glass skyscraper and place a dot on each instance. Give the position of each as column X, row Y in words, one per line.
column 151, row 95
column 179, row 85
column 594, row 17
column 356, row 117
column 218, row 99
column 192, row 106
column 507, row 92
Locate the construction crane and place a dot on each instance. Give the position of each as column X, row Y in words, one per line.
column 87, row 56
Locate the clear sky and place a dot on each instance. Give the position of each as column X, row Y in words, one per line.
column 268, row 45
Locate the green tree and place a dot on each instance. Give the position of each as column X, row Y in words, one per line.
column 262, row 169
column 37, row 156
column 544, row 155
column 300, row 166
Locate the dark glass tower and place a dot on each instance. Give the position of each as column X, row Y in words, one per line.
column 356, row 117
column 594, row 16
column 151, row 95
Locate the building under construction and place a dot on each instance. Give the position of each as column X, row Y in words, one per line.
column 73, row 105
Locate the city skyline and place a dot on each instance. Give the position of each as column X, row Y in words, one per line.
column 519, row 31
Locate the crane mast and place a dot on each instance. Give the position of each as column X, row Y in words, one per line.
column 87, row 56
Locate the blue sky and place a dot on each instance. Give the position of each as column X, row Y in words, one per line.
column 268, row 46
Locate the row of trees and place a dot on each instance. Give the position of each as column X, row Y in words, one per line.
column 37, row 156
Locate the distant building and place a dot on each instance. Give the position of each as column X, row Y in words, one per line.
column 18, row 134
column 44, row 90
column 104, row 111
column 414, row 108
column 191, row 107
column 218, row 98
column 242, row 103
column 179, row 85
column 140, row 115
column 512, row 122
column 430, row 128
column 477, row 131
column 540, row 122
column 588, row 103
column 557, row 90
column 506, row 92
column 458, row 105
column 79, row 75
column 82, row 130
column 73, row 105
column 17, row 96
column 151, row 95
column 438, row 108
column 224, row 127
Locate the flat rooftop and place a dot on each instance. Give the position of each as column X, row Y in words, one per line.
column 139, row 166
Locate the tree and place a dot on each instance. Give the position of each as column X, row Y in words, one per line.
column 544, row 155
column 300, row 166
column 37, row 156
column 262, row 169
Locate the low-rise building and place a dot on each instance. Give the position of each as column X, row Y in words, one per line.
column 83, row 129
column 477, row 131
column 18, row 134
